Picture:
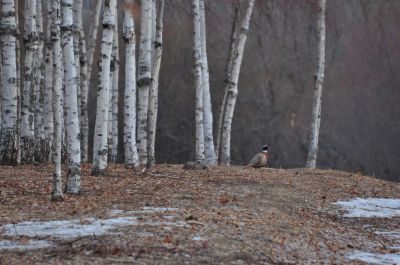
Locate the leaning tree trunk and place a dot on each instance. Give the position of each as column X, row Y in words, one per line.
column 197, row 67
column 319, row 79
column 92, row 41
column 9, row 87
column 70, row 100
column 228, row 71
column 27, row 101
column 209, row 151
column 113, row 108
column 153, row 96
column 100, row 148
column 144, row 77
column 232, row 85
column 128, row 35
column 48, row 89
column 57, row 193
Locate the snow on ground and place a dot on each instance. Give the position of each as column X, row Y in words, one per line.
column 374, row 208
column 75, row 228
column 371, row 207
column 374, row 258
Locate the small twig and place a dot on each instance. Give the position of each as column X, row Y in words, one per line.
column 192, row 222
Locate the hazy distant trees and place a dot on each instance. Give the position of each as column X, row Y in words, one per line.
column 318, row 79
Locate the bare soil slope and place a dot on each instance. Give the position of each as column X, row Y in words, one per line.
column 225, row 216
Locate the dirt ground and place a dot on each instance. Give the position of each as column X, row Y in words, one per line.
column 229, row 216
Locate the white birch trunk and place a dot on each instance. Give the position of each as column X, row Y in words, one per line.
column 9, row 85
column 39, row 145
column 57, row 193
column 48, row 92
column 144, row 77
column 27, row 101
column 197, row 70
column 100, row 148
column 128, row 35
column 70, row 100
column 18, row 53
column 76, row 30
column 319, row 79
column 84, row 122
column 209, row 151
column 153, row 96
column 92, row 41
column 113, row 108
column 232, row 86
column 228, row 70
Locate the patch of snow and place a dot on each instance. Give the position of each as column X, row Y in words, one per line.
column 371, row 207
column 197, row 238
column 396, row 247
column 29, row 245
column 390, row 234
column 375, row 258
column 144, row 210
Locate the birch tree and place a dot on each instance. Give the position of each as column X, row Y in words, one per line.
column 232, row 84
column 70, row 100
column 9, row 87
column 93, row 37
column 144, row 77
column 318, row 82
column 153, row 93
column 84, row 80
column 39, row 144
column 209, row 151
column 48, row 89
column 113, row 108
column 27, row 100
column 57, row 193
column 100, row 148
column 128, row 35
column 197, row 70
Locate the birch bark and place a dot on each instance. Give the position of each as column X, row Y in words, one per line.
column 9, row 79
column 197, row 70
column 92, row 43
column 128, row 35
column 48, row 90
column 76, row 30
column 209, row 151
column 144, row 77
column 57, row 193
column 70, row 100
column 84, row 122
column 113, row 109
column 100, row 148
column 27, row 100
column 318, row 85
column 232, row 85
column 153, row 94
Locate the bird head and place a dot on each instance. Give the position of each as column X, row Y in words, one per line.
column 265, row 148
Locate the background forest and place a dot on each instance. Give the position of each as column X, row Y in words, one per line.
column 360, row 111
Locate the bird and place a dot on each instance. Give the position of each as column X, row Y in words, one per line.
column 260, row 159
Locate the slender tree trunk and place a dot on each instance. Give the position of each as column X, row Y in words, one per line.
column 232, row 86
column 9, row 87
column 57, row 193
column 48, row 93
column 71, row 104
column 113, row 109
column 209, row 151
column 84, row 122
column 100, row 148
column 228, row 71
column 76, row 30
column 27, row 108
column 128, row 35
column 39, row 144
column 197, row 70
column 18, row 53
column 92, row 43
column 153, row 96
column 144, row 77
column 319, row 79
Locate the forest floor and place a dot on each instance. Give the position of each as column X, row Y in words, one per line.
column 219, row 216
